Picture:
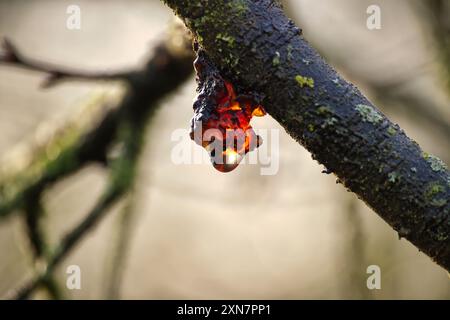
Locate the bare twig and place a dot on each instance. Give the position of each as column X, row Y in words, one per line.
column 34, row 212
column 124, row 126
column 115, row 264
column 418, row 105
column 351, row 250
column 53, row 289
column 436, row 13
column 55, row 73
column 33, row 215
column 121, row 178
column 66, row 245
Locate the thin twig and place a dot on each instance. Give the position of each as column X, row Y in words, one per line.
column 435, row 13
column 69, row 242
column 115, row 264
column 351, row 248
column 121, row 177
column 55, row 73
column 53, row 288
column 34, row 212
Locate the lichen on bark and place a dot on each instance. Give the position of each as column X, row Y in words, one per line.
column 341, row 128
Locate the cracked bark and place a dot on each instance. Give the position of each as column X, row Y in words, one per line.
column 259, row 49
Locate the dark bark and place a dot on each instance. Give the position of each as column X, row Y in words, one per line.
column 125, row 126
column 162, row 74
column 259, row 49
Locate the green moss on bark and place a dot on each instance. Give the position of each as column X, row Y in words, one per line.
column 369, row 154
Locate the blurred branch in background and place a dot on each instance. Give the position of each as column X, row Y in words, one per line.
column 34, row 213
column 55, row 73
column 94, row 111
column 122, row 126
column 436, row 15
column 352, row 251
column 122, row 174
column 420, row 107
column 122, row 234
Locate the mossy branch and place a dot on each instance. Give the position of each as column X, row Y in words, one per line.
column 122, row 125
column 72, row 148
column 120, row 179
column 259, row 49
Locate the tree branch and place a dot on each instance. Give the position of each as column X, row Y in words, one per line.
column 55, row 73
column 170, row 66
column 121, row 177
column 436, row 13
column 166, row 70
column 115, row 263
column 259, row 49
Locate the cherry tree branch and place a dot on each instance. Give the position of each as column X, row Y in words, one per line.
column 259, row 49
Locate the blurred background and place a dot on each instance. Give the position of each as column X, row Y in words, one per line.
column 195, row 233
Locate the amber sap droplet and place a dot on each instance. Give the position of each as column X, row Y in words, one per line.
column 258, row 112
column 232, row 118
column 230, row 161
